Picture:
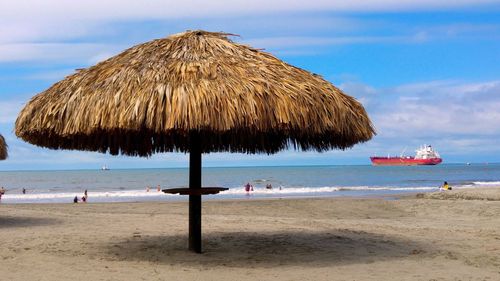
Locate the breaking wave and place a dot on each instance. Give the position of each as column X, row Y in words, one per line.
column 235, row 192
column 486, row 183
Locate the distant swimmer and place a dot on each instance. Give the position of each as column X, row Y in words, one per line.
column 158, row 188
column 269, row 186
column 147, row 189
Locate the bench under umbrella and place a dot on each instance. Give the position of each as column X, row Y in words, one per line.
column 194, row 92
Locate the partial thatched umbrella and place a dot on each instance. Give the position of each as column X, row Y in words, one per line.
column 3, row 149
column 195, row 92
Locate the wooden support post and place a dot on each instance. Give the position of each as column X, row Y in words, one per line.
column 195, row 200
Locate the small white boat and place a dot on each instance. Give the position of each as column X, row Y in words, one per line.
column 104, row 168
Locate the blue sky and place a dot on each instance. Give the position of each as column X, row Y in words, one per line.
column 426, row 71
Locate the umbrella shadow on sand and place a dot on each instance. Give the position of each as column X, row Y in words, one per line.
column 12, row 222
column 240, row 249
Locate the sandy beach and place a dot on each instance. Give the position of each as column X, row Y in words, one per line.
column 439, row 236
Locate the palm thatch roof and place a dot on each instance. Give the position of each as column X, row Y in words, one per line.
column 155, row 96
column 3, row 148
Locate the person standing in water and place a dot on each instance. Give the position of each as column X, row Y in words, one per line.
column 248, row 187
column 85, row 196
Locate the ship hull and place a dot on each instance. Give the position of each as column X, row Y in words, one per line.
column 403, row 161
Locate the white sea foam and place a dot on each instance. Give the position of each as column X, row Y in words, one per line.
column 284, row 190
column 323, row 189
column 486, row 182
column 477, row 184
column 234, row 192
column 389, row 188
column 68, row 196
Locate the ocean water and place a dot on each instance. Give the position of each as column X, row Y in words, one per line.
column 307, row 181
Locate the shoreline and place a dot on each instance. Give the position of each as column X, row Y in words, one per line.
column 182, row 198
column 484, row 193
column 158, row 197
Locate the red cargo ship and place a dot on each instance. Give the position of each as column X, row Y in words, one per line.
column 425, row 156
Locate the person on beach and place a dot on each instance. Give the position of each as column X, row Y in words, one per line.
column 85, row 196
column 445, row 186
column 248, row 187
column 24, row 190
column 147, row 188
column 269, row 186
column 158, row 188
column 75, row 200
column 2, row 192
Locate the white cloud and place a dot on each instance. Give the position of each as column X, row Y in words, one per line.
column 420, row 37
column 25, row 30
column 50, row 75
column 440, row 108
column 463, row 28
column 92, row 53
column 65, row 30
column 53, row 51
column 68, row 10
column 363, row 93
column 26, row 20
column 458, row 118
column 9, row 110
column 280, row 42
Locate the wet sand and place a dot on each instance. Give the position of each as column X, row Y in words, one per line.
column 440, row 236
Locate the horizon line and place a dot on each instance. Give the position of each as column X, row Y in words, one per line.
column 249, row 166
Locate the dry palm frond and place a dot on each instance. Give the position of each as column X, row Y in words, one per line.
column 157, row 96
column 3, row 148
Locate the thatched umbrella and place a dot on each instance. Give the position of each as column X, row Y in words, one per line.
column 195, row 92
column 3, row 149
